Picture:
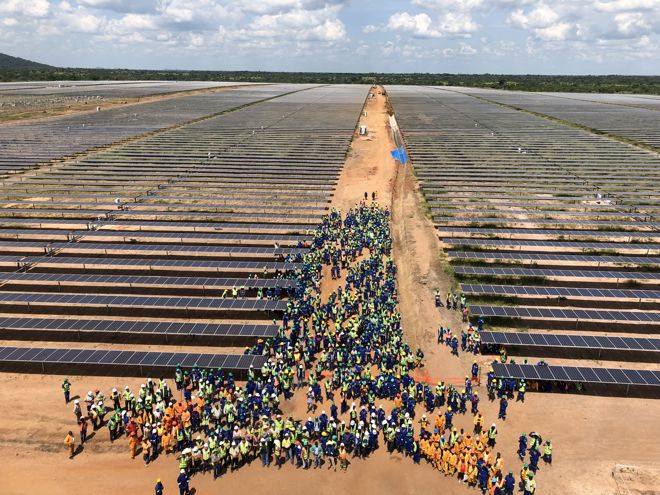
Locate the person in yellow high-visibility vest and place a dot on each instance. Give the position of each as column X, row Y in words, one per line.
column 547, row 452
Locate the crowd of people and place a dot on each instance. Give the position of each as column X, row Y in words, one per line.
column 347, row 353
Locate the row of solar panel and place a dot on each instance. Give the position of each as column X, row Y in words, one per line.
column 545, row 221
column 140, row 280
column 567, row 314
column 160, row 224
column 131, row 235
column 166, row 302
column 165, row 248
column 642, row 260
column 129, row 358
column 594, row 342
column 546, row 232
column 540, row 272
column 521, row 290
column 138, row 327
column 150, row 262
column 549, row 244
column 607, row 376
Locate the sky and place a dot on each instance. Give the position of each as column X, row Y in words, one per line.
column 455, row 36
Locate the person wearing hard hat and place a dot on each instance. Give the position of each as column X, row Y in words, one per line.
column 547, row 452
column 492, row 435
column 66, row 388
column 158, row 489
column 70, row 442
column 530, row 484
column 183, row 481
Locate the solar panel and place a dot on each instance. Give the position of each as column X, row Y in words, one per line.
column 566, row 313
column 608, row 376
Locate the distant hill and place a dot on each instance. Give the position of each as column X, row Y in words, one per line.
column 7, row 62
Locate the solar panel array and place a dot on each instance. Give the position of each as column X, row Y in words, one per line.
column 186, row 236
column 26, row 144
column 49, row 360
column 632, row 117
column 601, row 376
column 547, row 226
column 571, row 341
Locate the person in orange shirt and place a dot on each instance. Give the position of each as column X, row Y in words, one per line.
column 437, row 459
column 133, row 444
column 462, row 467
column 453, row 464
column 185, row 418
column 166, row 441
column 70, row 442
column 445, row 460
column 498, row 464
column 472, row 474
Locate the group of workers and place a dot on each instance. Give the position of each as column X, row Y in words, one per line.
column 346, row 352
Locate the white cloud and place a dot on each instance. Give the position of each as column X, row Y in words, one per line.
column 122, row 6
column 458, row 23
column 422, row 26
column 542, row 16
column 418, row 26
column 301, row 25
column 452, row 5
column 555, row 32
column 467, row 49
column 626, row 5
column 632, row 23
column 27, row 8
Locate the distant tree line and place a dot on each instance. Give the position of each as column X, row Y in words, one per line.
column 587, row 84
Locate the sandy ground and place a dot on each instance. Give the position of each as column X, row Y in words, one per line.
column 590, row 434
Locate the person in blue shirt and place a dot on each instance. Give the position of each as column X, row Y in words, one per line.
column 522, row 446
column 509, row 483
column 503, row 405
column 158, row 489
column 182, row 481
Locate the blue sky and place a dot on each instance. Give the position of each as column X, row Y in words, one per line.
column 467, row 36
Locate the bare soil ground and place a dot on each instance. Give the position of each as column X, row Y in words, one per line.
column 590, row 434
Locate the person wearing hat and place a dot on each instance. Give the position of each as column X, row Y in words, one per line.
column 66, row 388
column 70, row 442
column 522, row 445
column 77, row 409
column 158, row 489
column 492, row 435
column 530, row 484
column 509, row 483
column 547, row 452
column 503, row 405
column 183, row 481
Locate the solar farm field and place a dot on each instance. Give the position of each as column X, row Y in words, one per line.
column 27, row 144
column 185, row 236
column 39, row 96
column 633, row 117
column 550, row 230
